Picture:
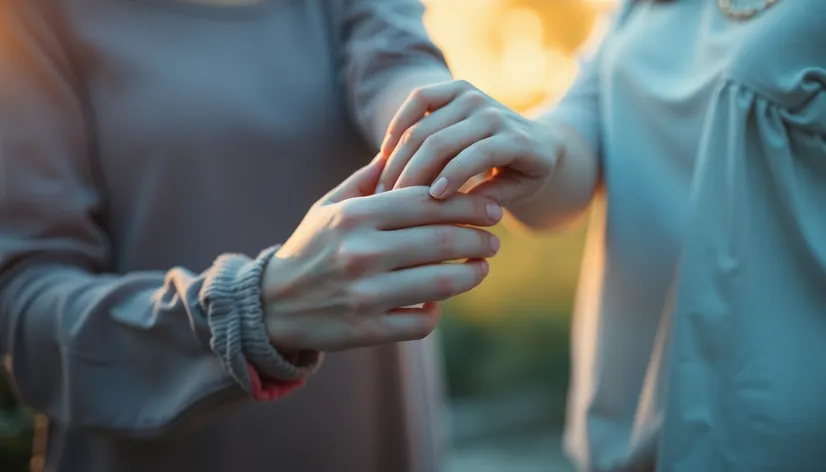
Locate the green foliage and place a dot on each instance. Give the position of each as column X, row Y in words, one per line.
column 15, row 430
column 509, row 352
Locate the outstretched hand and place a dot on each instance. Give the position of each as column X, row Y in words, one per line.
column 446, row 134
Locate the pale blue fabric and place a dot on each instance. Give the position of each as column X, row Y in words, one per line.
column 700, row 336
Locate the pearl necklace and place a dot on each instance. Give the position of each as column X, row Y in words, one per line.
column 743, row 14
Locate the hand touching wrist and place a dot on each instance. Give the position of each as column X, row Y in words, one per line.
column 339, row 279
column 446, row 134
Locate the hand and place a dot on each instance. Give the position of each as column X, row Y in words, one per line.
column 446, row 134
column 339, row 279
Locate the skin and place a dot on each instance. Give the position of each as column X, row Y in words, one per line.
column 444, row 135
column 339, row 279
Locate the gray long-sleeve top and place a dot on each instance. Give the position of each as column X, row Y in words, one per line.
column 137, row 136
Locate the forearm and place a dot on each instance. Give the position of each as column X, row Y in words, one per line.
column 569, row 191
column 400, row 84
column 140, row 354
column 387, row 54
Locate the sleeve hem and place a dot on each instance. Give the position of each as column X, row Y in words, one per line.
column 266, row 390
column 232, row 297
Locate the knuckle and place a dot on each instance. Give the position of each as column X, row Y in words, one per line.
column 355, row 261
column 420, row 196
column 492, row 117
column 348, row 216
column 474, row 98
column 486, row 154
column 361, row 301
column 435, row 144
column 412, row 135
column 464, row 84
column 419, row 94
column 521, row 139
column 444, row 288
column 459, row 165
column 444, row 240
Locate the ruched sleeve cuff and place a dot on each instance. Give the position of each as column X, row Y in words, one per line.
column 231, row 296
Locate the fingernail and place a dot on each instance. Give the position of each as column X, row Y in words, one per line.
column 494, row 244
column 379, row 188
column 494, row 212
column 485, row 268
column 438, row 187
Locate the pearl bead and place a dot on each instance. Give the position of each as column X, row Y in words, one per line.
column 742, row 14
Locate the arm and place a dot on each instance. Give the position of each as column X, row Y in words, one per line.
column 546, row 170
column 387, row 55
column 137, row 354
column 574, row 124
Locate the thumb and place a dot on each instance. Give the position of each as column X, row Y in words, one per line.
column 362, row 183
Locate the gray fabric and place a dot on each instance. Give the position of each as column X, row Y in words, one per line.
column 142, row 137
column 699, row 331
column 232, row 295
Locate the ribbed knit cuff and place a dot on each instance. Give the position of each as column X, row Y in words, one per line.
column 231, row 296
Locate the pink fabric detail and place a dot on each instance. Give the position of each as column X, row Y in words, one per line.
column 268, row 390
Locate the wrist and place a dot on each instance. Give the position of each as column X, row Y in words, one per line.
column 232, row 299
column 275, row 313
column 549, row 135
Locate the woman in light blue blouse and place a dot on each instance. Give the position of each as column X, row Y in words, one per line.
column 699, row 128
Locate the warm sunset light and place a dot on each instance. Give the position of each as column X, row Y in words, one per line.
column 504, row 47
column 524, row 54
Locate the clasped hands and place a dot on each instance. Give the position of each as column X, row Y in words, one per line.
column 362, row 252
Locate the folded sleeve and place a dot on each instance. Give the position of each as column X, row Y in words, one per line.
column 140, row 353
column 386, row 54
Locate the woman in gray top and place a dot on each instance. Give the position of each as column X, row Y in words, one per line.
column 137, row 136
column 699, row 129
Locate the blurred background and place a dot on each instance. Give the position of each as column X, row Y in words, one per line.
column 505, row 345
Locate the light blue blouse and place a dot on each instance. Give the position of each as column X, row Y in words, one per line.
column 700, row 336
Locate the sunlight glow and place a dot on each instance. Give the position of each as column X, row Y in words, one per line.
column 504, row 48
column 520, row 52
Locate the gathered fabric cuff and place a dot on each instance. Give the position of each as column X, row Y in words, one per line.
column 231, row 296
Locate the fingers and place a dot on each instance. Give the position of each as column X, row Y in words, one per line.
column 414, row 137
column 416, row 106
column 375, row 329
column 479, row 157
column 432, row 244
column 398, row 325
column 413, row 206
column 416, row 285
column 407, row 324
column 504, row 188
column 361, row 183
column 429, row 159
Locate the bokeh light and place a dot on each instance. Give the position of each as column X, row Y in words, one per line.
column 524, row 54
